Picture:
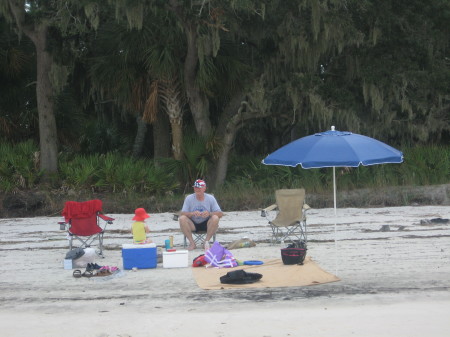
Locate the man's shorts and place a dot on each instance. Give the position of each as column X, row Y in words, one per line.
column 202, row 226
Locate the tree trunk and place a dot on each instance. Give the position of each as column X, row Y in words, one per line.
column 241, row 108
column 198, row 103
column 161, row 136
column 44, row 89
column 140, row 136
column 222, row 163
column 228, row 127
column 44, row 96
column 171, row 97
column 177, row 137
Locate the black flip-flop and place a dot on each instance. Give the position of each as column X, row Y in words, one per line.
column 88, row 274
column 92, row 267
column 240, row 277
column 95, row 266
column 77, row 273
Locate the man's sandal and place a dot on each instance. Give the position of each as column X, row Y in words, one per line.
column 92, row 267
column 77, row 273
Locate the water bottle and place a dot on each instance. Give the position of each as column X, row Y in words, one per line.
column 245, row 242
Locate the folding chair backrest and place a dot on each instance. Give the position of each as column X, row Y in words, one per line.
column 290, row 203
column 85, row 226
column 83, row 217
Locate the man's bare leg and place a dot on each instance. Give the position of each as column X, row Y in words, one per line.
column 211, row 227
column 187, row 227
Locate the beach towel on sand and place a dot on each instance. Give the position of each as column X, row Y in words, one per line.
column 219, row 256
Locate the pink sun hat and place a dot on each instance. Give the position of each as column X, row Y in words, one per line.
column 140, row 214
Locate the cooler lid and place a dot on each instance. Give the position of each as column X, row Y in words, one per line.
column 175, row 252
column 134, row 246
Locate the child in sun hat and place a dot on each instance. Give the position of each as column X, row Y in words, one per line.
column 139, row 228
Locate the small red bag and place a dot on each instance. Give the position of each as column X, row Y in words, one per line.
column 199, row 261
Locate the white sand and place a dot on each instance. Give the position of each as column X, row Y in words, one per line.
column 393, row 283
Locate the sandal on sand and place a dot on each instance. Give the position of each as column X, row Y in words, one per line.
column 77, row 273
column 103, row 272
column 87, row 273
column 93, row 266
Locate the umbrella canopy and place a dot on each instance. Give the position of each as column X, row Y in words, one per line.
column 334, row 149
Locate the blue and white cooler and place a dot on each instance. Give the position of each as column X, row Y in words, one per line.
column 141, row 256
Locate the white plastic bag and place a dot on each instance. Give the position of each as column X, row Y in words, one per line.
column 88, row 257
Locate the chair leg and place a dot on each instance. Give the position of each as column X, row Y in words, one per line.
column 86, row 243
column 305, row 233
column 196, row 238
column 100, row 244
column 276, row 235
column 199, row 238
column 293, row 233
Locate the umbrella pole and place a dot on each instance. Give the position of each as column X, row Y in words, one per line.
column 335, row 215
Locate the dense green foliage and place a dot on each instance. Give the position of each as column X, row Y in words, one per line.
column 114, row 173
column 193, row 88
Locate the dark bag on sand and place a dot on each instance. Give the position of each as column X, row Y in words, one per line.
column 74, row 254
column 240, row 277
column 293, row 255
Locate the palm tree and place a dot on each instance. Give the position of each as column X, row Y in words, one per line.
column 137, row 71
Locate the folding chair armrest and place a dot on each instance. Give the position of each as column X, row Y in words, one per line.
column 305, row 208
column 62, row 225
column 266, row 210
column 175, row 216
column 106, row 218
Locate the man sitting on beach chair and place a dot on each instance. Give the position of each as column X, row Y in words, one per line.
column 200, row 213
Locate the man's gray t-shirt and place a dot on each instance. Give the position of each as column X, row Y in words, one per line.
column 191, row 204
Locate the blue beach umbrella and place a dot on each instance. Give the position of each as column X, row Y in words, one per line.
column 334, row 149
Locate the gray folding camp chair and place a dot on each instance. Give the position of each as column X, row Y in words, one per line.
column 199, row 237
column 289, row 223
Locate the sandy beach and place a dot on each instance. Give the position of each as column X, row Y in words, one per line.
column 393, row 283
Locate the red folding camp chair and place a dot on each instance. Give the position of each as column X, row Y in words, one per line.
column 82, row 221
